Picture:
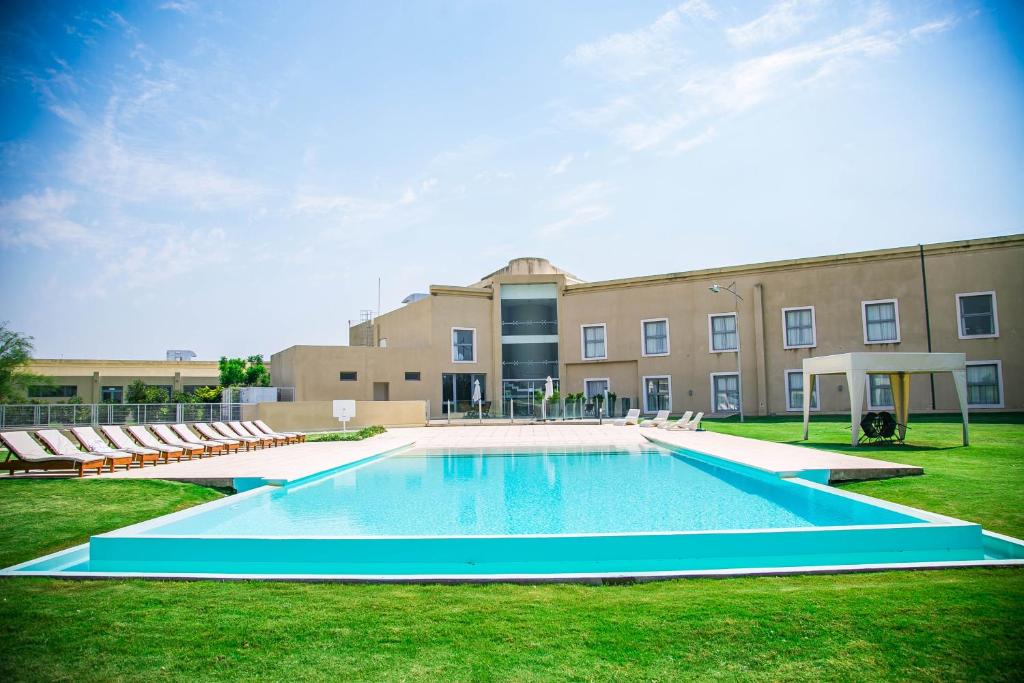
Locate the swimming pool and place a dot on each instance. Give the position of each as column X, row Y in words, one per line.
column 475, row 513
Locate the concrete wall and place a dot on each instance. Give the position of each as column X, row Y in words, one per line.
column 89, row 376
column 311, row 416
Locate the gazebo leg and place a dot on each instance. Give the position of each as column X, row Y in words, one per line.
column 960, row 382
column 899, row 382
column 855, row 383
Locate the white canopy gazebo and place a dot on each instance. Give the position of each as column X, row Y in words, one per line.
column 898, row 367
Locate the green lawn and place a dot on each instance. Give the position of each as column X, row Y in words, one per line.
column 942, row 625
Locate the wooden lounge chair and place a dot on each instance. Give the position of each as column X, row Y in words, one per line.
column 146, row 438
column 125, row 443
column 278, row 440
column 656, row 421
column 267, row 430
column 667, row 424
column 632, row 417
column 31, row 456
column 236, row 434
column 94, row 443
column 188, row 436
column 209, row 432
column 62, row 445
column 167, row 435
column 256, row 431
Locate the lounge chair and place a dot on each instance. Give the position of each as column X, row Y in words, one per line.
column 188, row 436
column 94, row 443
column 125, row 443
column 167, row 435
column 690, row 426
column 62, row 445
column 146, row 438
column 667, row 424
column 632, row 417
column 658, row 420
column 263, row 427
column 256, row 431
column 262, row 441
column 31, row 456
column 209, row 432
column 278, row 439
column 292, row 437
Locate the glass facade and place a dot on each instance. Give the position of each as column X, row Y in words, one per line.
column 529, row 340
column 457, row 387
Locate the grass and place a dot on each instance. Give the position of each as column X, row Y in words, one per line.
column 942, row 625
column 364, row 433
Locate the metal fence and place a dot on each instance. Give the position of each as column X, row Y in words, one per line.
column 72, row 415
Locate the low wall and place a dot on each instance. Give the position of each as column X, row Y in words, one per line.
column 313, row 416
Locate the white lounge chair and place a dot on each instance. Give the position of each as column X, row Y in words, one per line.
column 267, row 430
column 209, row 432
column 146, row 438
column 632, row 417
column 94, row 443
column 659, row 419
column 690, row 426
column 125, row 443
column 215, row 445
column 667, row 424
column 62, row 445
column 167, row 435
column 253, row 429
column 31, row 456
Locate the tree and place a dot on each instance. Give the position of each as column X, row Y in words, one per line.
column 206, row 395
column 140, row 392
column 15, row 354
column 244, row 372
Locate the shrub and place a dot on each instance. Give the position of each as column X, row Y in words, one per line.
column 364, row 433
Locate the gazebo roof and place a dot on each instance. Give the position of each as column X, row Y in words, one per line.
column 885, row 363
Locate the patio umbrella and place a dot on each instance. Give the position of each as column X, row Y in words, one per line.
column 549, row 391
column 476, row 391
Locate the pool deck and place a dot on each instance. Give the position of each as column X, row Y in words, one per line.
column 288, row 463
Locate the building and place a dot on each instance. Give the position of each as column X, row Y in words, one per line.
column 669, row 342
column 105, row 381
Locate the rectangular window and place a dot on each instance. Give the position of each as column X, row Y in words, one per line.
column 594, row 342
column 412, row 377
column 984, row 384
column 463, row 345
column 457, row 389
column 594, row 387
column 346, row 376
column 723, row 332
column 55, row 391
column 655, row 337
column 725, row 392
column 881, row 321
column 657, row 393
column 113, row 394
column 879, row 392
column 798, row 325
column 977, row 315
column 795, row 391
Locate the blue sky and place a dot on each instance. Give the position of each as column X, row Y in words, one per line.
column 234, row 177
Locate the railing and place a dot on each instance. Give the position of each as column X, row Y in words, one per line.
column 81, row 414
column 527, row 408
column 257, row 394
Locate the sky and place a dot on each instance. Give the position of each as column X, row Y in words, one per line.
column 234, row 177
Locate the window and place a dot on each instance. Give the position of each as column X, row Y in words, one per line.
column 114, row 394
column 457, row 390
column 657, row 393
column 985, row 384
column 463, row 345
column 595, row 387
column 593, row 337
column 347, row 376
column 977, row 315
column 795, row 391
column 723, row 332
column 655, row 337
column 879, row 392
column 48, row 391
column 725, row 392
column 881, row 321
column 412, row 377
column 798, row 328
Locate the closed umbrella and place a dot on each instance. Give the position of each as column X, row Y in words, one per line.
column 477, row 398
column 549, row 391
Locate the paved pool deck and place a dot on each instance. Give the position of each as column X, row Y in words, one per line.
column 288, row 463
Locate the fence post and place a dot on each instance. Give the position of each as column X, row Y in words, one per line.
column 511, row 411
column 177, row 413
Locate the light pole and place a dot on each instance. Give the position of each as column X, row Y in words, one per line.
column 716, row 289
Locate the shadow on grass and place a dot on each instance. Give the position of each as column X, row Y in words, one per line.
column 868, row 449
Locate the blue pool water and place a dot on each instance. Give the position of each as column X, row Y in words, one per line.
column 567, row 492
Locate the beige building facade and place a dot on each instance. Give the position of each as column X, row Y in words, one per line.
column 106, row 381
column 670, row 342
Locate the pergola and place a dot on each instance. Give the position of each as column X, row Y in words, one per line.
column 898, row 366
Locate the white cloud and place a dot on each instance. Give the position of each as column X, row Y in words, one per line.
column 785, row 19
column 562, row 166
column 183, row 6
column 932, row 27
column 581, row 205
column 41, row 220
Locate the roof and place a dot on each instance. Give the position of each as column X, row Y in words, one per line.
column 885, row 363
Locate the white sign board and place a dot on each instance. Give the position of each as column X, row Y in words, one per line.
column 344, row 410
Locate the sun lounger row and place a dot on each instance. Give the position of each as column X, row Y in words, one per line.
column 688, row 422
column 135, row 445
